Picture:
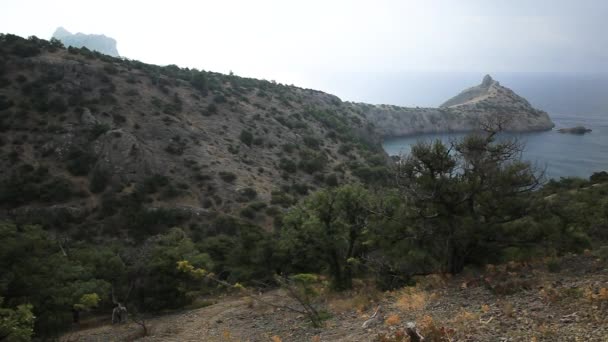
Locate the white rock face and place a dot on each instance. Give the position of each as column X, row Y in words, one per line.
column 461, row 113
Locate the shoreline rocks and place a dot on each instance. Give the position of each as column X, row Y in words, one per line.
column 575, row 130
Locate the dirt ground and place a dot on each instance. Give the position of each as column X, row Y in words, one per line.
column 516, row 302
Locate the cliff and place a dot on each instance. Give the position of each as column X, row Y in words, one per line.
column 93, row 42
column 463, row 112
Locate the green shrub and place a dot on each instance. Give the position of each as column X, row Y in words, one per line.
column 246, row 137
column 247, row 194
column 97, row 130
column 281, row 198
column 288, row 165
column 227, row 177
column 289, row 148
column 331, row 180
column 99, row 181
column 80, row 161
column 311, row 142
column 312, row 162
column 248, row 213
column 211, row 108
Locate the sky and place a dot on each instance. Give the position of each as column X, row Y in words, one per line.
column 312, row 43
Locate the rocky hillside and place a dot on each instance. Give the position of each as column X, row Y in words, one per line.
column 463, row 112
column 94, row 42
column 87, row 136
column 122, row 146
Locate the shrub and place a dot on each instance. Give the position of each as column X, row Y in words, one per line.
column 248, row 213
column 227, row 177
column 247, row 194
column 97, row 130
column 288, row 165
column 281, row 198
column 219, row 99
column 289, row 148
column 312, row 162
column 80, row 162
column 99, row 181
column 311, row 142
column 212, row 108
column 246, row 137
column 331, row 180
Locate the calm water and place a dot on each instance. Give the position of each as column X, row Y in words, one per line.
column 563, row 155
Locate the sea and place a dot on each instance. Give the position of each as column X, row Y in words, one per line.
column 571, row 99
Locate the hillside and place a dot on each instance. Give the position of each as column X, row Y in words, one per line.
column 83, row 133
column 459, row 114
column 93, row 42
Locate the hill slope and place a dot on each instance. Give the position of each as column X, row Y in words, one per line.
column 85, row 134
column 118, row 145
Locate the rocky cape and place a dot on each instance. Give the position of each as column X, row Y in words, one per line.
column 94, row 42
column 461, row 113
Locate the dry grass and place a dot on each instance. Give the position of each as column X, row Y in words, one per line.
column 506, row 308
column 411, row 299
column 434, row 331
column 363, row 296
column 392, row 320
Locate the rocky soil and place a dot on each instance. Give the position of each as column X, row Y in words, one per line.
column 515, row 302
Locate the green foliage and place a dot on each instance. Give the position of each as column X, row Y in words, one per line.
column 227, row 177
column 99, row 180
column 311, row 142
column 200, row 82
column 330, row 226
column 281, row 198
column 80, row 161
column 88, row 301
column 98, row 130
column 247, row 194
column 28, row 184
column 288, row 165
column 312, row 162
column 159, row 283
column 37, row 271
column 16, row 325
column 246, row 137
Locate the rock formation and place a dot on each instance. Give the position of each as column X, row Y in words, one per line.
column 464, row 112
column 97, row 42
column 575, row 130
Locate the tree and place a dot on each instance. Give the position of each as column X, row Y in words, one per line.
column 40, row 270
column 458, row 196
column 154, row 281
column 329, row 225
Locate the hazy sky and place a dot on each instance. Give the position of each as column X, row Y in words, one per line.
column 292, row 41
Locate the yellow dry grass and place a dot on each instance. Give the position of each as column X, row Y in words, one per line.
column 411, row 299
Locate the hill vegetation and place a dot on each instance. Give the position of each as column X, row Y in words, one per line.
column 146, row 185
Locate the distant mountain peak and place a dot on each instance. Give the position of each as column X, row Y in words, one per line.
column 61, row 32
column 97, row 42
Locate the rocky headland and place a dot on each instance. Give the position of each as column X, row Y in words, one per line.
column 462, row 113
